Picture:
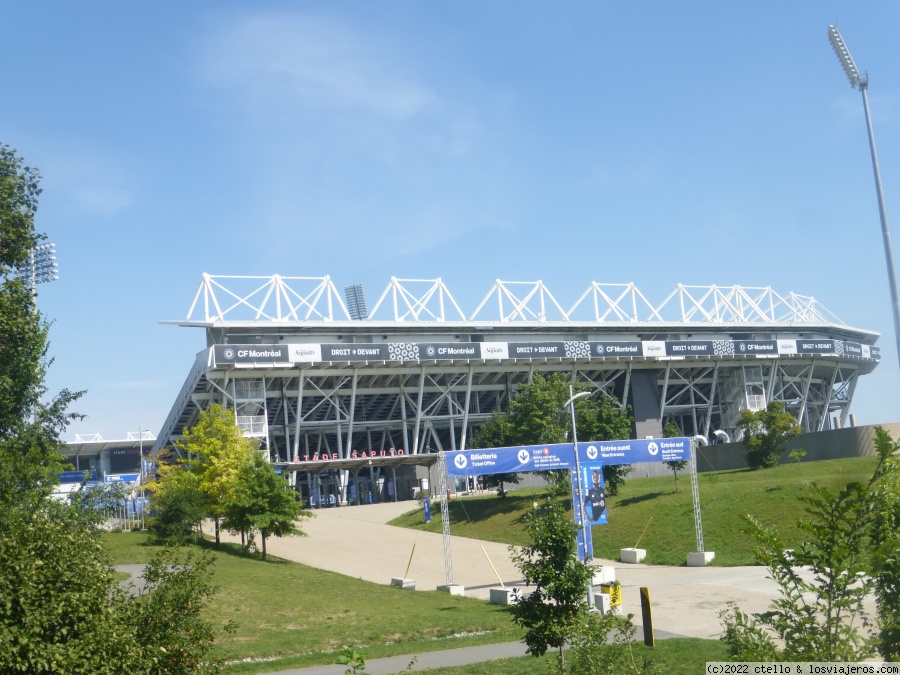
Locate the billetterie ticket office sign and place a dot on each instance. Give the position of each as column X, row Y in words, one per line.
column 521, row 459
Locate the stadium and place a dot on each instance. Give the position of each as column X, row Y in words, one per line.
column 330, row 387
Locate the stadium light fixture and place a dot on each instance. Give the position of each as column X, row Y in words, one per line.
column 41, row 267
column 861, row 82
column 356, row 302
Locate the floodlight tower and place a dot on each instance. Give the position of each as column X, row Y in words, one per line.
column 41, row 267
column 858, row 80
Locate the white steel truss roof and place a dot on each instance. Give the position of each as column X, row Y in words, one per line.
column 315, row 300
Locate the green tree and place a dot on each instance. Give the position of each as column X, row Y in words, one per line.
column 820, row 616
column 536, row 415
column 603, row 645
column 765, row 433
column 496, row 433
column 885, row 544
column 61, row 610
column 177, row 504
column 166, row 617
column 264, row 502
column 29, row 429
column 671, row 430
column 553, row 611
column 215, row 451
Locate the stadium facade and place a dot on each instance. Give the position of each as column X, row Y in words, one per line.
column 313, row 380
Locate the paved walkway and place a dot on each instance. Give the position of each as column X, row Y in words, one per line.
column 686, row 601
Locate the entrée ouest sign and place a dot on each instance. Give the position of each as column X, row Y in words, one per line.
column 523, row 458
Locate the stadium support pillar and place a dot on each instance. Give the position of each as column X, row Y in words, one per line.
column 801, row 418
column 405, row 421
column 645, row 402
column 352, row 412
column 298, row 417
column 465, row 424
column 823, row 417
column 419, row 410
column 712, row 400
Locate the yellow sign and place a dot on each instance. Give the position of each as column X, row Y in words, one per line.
column 614, row 591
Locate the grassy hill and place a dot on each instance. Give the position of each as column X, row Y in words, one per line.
column 726, row 498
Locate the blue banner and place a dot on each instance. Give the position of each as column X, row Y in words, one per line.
column 593, row 494
column 510, row 460
column 560, row 456
column 633, row 451
column 584, row 540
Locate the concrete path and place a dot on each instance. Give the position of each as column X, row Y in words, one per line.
column 685, row 601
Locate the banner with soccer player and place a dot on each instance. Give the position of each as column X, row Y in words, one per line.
column 593, row 493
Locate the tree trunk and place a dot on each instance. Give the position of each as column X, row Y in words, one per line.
column 562, row 659
column 263, row 546
column 243, row 539
column 217, row 532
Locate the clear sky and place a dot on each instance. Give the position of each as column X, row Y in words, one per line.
column 648, row 142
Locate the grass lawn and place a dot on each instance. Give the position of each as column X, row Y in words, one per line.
column 303, row 616
column 681, row 656
column 726, row 497
column 284, row 609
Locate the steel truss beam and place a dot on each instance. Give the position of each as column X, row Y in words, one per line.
column 439, row 406
column 292, row 301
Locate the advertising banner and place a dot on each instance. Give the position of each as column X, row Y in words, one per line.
column 355, row 352
column 525, row 458
column 689, row 348
column 494, row 350
column 450, row 350
column 223, row 355
column 593, row 493
column 510, row 460
column 305, row 353
column 584, row 538
column 762, row 348
column 815, row 346
column 608, row 350
column 853, row 349
column 535, row 350
column 787, row 347
column 230, row 354
column 121, row 478
column 633, row 451
column 653, row 349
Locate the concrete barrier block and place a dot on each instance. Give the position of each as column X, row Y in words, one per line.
column 502, row 596
column 405, row 584
column 632, row 555
column 452, row 589
column 602, row 602
column 701, row 559
column 603, row 574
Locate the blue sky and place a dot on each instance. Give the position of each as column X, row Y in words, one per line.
column 655, row 142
